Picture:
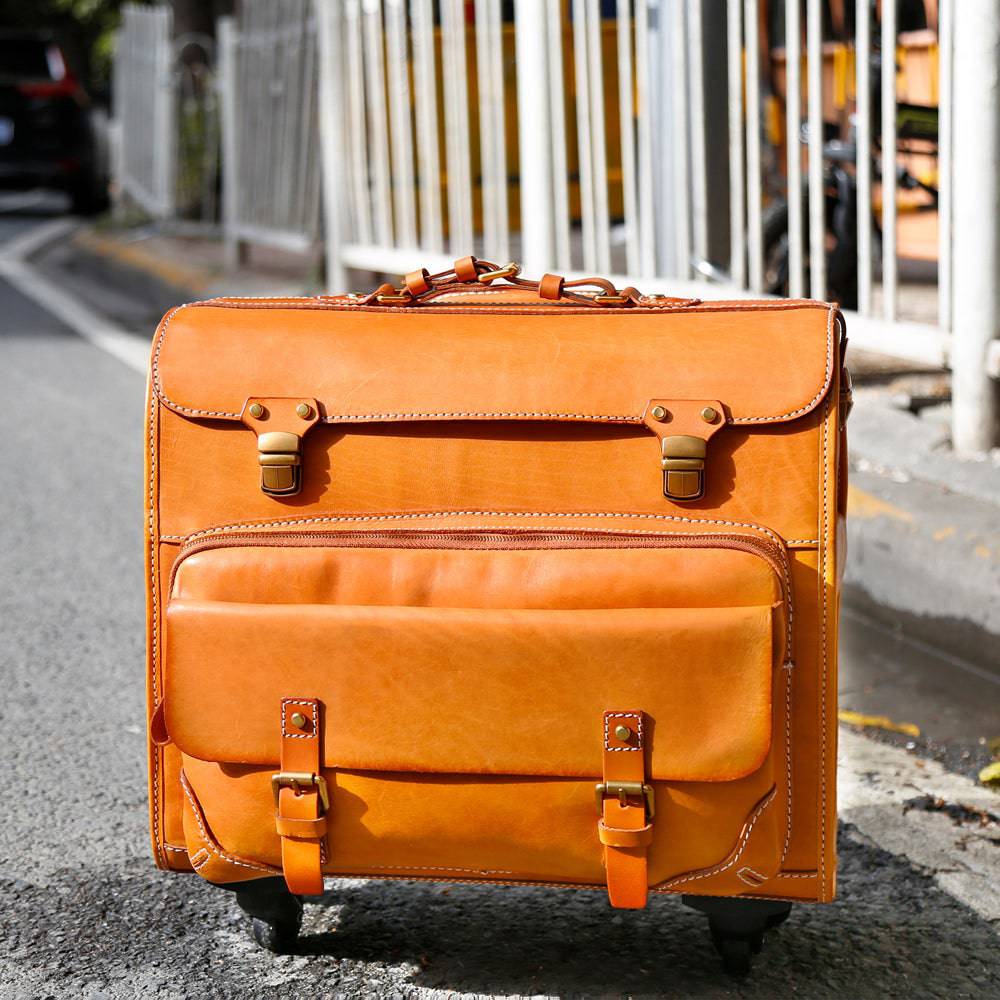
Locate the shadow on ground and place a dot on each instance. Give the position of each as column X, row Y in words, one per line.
column 892, row 933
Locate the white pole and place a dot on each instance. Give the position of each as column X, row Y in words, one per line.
column 533, row 134
column 226, row 31
column 976, row 223
column 331, row 149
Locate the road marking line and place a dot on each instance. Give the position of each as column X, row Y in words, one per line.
column 102, row 332
column 878, row 782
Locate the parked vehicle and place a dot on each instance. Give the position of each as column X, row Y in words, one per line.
column 50, row 132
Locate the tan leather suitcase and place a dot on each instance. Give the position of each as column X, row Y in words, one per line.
column 490, row 580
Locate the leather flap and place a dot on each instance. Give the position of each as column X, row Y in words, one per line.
column 474, row 690
column 767, row 363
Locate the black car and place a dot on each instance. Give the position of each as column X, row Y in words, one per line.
column 48, row 129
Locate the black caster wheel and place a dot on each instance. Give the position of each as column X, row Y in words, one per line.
column 275, row 914
column 278, row 936
column 738, row 926
column 737, row 952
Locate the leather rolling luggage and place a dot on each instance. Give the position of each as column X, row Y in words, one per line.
column 491, row 580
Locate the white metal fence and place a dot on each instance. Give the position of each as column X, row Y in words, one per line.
column 645, row 150
column 270, row 138
column 144, row 157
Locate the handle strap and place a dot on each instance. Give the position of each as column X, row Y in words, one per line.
column 470, row 274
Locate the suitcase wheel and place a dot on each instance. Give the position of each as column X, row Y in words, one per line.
column 275, row 914
column 738, row 926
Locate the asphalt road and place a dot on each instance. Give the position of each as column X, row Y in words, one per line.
column 85, row 913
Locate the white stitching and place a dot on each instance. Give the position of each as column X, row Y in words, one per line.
column 208, row 842
column 156, row 762
column 311, row 705
column 360, row 418
column 788, row 763
column 756, row 878
column 179, row 850
column 796, row 875
column 638, row 731
column 773, row 418
column 824, row 549
column 789, row 541
column 739, row 849
column 444, row 868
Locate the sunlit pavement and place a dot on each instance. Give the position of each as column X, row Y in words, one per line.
column 86, row 914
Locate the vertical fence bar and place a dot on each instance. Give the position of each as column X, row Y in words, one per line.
column 976, row 208
column 165, row 149
column 681, row 139
column 378, row 131
column 599, row 155
column 817, row 220
column 793, row 146
column 755, row 237
column 737, row 177
column 226, row 40
column 492, row 133
column 945, row 139
column 400, row 123
column 425, row 99
column 696, row 105
column 863, row 62
column 456, row 116
column 531, row 60
column 557, row 128
column 889, row 263
column 625, row 113
column 584, row 144
column 644, row 89
column 331, row 76
column 357, row 132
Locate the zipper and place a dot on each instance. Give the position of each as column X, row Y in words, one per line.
column 507, row 538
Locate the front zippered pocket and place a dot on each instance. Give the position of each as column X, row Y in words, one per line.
column 482, row 656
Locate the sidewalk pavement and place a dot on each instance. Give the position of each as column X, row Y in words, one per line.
column 923, row 527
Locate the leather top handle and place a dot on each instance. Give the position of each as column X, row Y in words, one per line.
column 469, row 274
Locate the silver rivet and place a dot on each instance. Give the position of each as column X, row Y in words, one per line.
column 298, row 720
column 658, row 412
column 256, row 410
column 304, row 410
column 623, row 733
column 709, row 414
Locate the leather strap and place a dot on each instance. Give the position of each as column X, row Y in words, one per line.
column 417, row 282
column 466, row 270
column 300, row 819
column 625, row 827
column 551, row 286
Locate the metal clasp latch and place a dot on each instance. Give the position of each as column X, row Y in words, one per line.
column 279, row 454
column 623, row 790
column 300, row 780
column 511, row 270
column 683, row 467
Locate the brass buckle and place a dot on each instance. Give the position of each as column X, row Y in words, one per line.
column 300, row 780
column 511, row 270
column 401, row 297
column 623, row 790
column 278, row 454
column 611, row 300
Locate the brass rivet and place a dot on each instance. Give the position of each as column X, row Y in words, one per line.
column 709, row 414
column 658, row 412
column 304, row 410
column 298, row 719
column 623, row 733
column 256, row 410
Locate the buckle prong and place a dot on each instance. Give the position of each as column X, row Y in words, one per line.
column 623, row 790
column 300, row 781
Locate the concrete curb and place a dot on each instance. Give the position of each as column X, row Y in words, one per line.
column 923, row 531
